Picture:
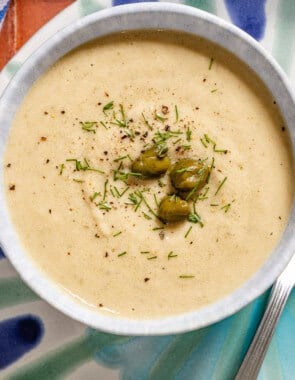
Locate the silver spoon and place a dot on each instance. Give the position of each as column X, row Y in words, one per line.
column 258, row 348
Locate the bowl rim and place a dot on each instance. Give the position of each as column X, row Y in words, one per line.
column 57, row 297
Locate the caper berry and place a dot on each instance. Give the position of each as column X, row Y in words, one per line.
column 152, row 162
column 188, row 175
column 173, row 209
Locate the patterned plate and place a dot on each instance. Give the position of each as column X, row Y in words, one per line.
column 38, row 342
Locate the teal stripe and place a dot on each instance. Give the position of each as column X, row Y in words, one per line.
column 205, row 5
column 284, row 41
column 13, row 291
column 62, row 361
column 87, row 7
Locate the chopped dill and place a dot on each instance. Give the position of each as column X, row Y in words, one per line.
column 171, row 255
column 117, row 234
column 160, row 118
column 195, row 218
column 104, row 206
column 211, row 63
column 105, row 190
column 95, row 195
column 89, row 126
column 103, row 124
column 226, row 207
column 78, row 180
column 186, row 276
column 220, row 185
column 186, row 147
column 214, row 204
column 146, row 216
column 108, row 106
column 188, row 134
column 144, row 252
column 79, row 166
column 152, row 258
column 188, row 231
column 156, row 200
column 158, row 228
column 122, row 158
column 176, row 114
column 215, row 89
column 122, row 254
column 62, row 166
column 204, row 142
column 146, row 122
column 210, row 170
column 176, row 141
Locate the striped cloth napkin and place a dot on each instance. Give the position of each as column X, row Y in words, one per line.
column 4, row 4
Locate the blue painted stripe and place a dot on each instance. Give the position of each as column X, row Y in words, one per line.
column 18, row 336
column 3, row 11
column 248, row 15
column 122, row 2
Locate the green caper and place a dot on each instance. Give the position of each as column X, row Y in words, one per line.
column 173, row 209
column 152, row 162
column 189, row 176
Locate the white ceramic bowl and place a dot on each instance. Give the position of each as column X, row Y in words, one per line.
column 130, row 17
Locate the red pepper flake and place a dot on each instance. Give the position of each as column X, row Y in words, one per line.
column 50, row 211
column 106, row 94
column 146, row 279
column 62, row 112
column 69, row 253
column 43, row 138
column 99, row 103
column 106, row 254
column 12, row 187
column 204, row 80
column 45, row 113
column 100, row 305
column 283, row 129
column 8, row 165
column 47, row 161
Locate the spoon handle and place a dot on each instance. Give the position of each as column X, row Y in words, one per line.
column 258, row 348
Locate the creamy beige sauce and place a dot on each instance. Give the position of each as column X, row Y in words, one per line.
column 72, row 239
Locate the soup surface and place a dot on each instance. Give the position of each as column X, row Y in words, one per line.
column 91, row 223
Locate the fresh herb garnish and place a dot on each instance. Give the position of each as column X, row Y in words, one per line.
column 215, row 89
column 62, row 166
column 210, row 169
column 103, row 124
column 104, row 206
column 156, row 200
column 122, row 254
column 144, row 252
column 171, row 255
column 160, row 118
column 211, row 63
column 214, row 204
column 195, row 218
column 188, row 134
column 105, row 190
column 203, row 141
column 95, row 195
column 122, row 158
column 188, row 231
column 146, row 122
column 123, row 176
column 117, row 234
column 108, row 106
column 89, row 126
column 78, row 180
column 151, row 258
column 220, row 185
column 186, row 147
column 146, row 216
column 186, row 276
column 176, row 114
column 226, row 207
column 79, row 166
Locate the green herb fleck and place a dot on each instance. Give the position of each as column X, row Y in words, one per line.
column 89, row 126
column 152, row 258
column 186, row 276
column 144, row 252
column 146, row 216
column 203, row 141
column 103, row 124
column 211, row 63
column 171, row 255
column 104, row 206
column 188, row 134
column 78, row 180
column 226, row 207
column 117, row 234
column 215, row 89
column 122, row 254
column 160, row 118
column 95, row 195
column 188, row 231
column 62, row 166
column 195, row 218
column 176, row 114
column 105, row 190
column 146, row 122
column 108, row 107
column 220, row 185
